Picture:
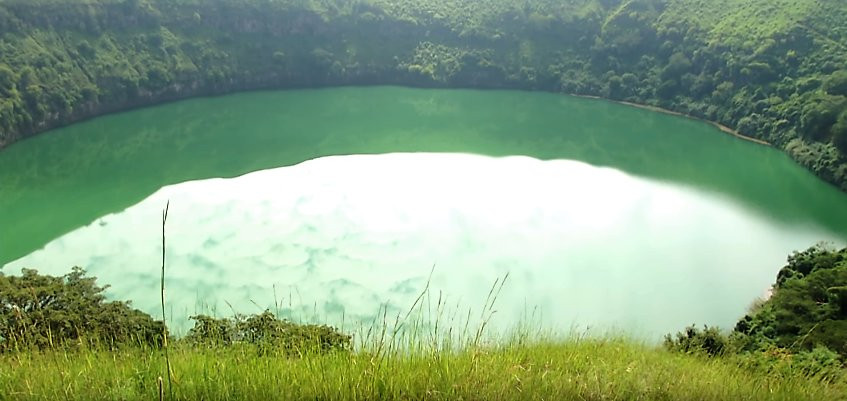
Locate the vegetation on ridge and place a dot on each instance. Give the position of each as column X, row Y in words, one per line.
column 773, row 70
column 802, row 325
column 43, row 311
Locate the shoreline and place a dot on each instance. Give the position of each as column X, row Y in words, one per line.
column 5, row 143
column 719, row 126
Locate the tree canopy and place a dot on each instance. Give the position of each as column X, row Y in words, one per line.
column 47, row 311
column 774, row 68
column 801, row 327
column 808, row 307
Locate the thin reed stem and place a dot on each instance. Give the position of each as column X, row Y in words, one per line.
column 164, row 318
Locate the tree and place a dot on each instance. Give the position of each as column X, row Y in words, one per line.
column 678, row 64
column 839, row 132
column 615, row 87
column 819, row 115
column 211, row 331
column 836, row 84
column 48, row 311
column 667, row 89
column 710, row 341
column 759, row 73
column 267, row 333
column 7, row 79
column 807, row 308
column 86, row 50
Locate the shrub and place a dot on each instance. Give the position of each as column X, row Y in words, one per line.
column 709, row 341
column 46, row 311
column 820, row 362
column 268, row 334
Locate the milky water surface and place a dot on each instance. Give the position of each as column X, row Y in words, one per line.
column 602, row 215
column 339, row 237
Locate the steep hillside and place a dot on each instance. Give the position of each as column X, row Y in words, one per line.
column 772, row 69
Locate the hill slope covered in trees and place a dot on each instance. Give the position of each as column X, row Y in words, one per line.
column 772, row 69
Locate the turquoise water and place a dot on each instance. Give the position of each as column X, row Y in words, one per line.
column 613, row 217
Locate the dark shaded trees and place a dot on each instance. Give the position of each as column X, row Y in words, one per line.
column 836, row 84
column 820, row 113
column 48, row 311
column 839, row 132
column 267, row 333
column 64, row 61
column 808, row 308
column 800, row 329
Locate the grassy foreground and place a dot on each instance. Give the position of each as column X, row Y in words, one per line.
column 578, row 369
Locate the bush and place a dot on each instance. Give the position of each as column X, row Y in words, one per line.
column 836, row 84
column 44, row 311
column 268, row 333
column 800, row 330
column 820, row 362
column 709, row 341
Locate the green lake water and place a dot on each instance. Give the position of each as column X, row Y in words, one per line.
column 603, row 215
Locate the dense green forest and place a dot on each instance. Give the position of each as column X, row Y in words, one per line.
column 772, row 69
column 804, row 319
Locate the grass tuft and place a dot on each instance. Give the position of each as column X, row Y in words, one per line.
column 593, row 369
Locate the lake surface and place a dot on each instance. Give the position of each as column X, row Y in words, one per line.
column 603, row 215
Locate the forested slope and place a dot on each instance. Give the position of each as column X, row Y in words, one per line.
column 773, row 69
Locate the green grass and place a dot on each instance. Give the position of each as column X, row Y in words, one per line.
column 425, row 353
column 576, row 369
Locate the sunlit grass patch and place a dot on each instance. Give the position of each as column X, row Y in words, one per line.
column 592, row 369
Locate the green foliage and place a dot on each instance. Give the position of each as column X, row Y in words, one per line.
column 46, row 311
column 836, row 84
column 709, row 341
column 268, row 333
column 538, row 369
column 839, row 132
column 723, row 60
column 7, row 79
column 678, row 64
column 820, row 115
column 807, row 309
column 211, row 332
column 819, row 362
column 800, row 329
column 802, row 263
column 211, row 362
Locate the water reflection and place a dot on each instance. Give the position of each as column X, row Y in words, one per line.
column 59, row 181
column 340, row 236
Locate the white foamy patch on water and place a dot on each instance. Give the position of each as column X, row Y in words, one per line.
column 343, row 235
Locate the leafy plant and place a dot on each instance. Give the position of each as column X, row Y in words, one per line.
column 709, row 341
column 800, row 329
column 43, row 311
column 268, row 334
column 772, row 68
